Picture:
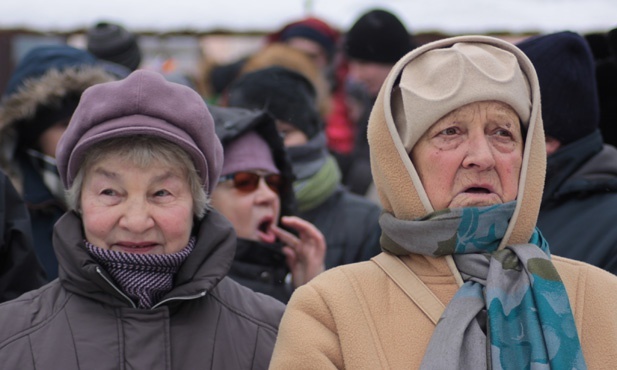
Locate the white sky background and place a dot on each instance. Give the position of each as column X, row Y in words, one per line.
column 446, row 16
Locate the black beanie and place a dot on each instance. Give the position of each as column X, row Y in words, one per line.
column 285, row 94
column 378, row 36
column 112, row 42
column 566, row 71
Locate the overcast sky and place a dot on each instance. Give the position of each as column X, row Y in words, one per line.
column 447, row 16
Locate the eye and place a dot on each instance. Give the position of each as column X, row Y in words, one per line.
column 449, row 131
column 162, row 193
column 108, row 192
column 504, row 133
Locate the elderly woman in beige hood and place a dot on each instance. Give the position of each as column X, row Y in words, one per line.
column 466, row 280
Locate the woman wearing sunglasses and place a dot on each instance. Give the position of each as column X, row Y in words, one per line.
column 276, row 252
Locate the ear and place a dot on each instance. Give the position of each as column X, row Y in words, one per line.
column 552, row 145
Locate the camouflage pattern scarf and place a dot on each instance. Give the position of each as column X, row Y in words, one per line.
column 512, row 312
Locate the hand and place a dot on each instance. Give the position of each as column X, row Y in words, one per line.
column 304, row 254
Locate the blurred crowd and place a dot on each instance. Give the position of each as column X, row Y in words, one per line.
column 296, row 179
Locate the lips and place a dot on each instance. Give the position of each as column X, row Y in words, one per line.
column 477, row 190
column 264, row 230
column 138, row 248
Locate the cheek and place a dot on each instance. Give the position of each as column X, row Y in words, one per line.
column 235, row 207
column 175, row 222
column 511, row 172
column 97, row 224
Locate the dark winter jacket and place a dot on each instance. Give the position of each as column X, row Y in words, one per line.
column 83, row 321
column 262, row 267
column 350, row 225
column 20, row 270
column 579, row 206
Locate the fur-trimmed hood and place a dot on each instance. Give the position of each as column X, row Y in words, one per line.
column 48, row 90
column 19, row 109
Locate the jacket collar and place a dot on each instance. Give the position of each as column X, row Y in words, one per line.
column 207, row 264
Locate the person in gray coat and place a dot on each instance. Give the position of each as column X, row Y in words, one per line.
column 143, row 257
column 579, row 204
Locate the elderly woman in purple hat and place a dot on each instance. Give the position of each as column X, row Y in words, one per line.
column 143, row 258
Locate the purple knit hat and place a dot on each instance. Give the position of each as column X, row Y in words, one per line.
column 144, row 103
column 248, row 152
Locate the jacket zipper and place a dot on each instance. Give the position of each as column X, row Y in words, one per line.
column 114, row 286
column 186, row 298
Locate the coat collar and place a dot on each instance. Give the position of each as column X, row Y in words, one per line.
column 207, row 264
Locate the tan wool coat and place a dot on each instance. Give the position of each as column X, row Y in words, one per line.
column 356, row 317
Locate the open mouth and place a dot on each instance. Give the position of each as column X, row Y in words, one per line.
column 264, row 230
column 478, row 190
column 264, row 225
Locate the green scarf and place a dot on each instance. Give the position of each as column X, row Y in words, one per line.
column 314, row 190
column 512, row 312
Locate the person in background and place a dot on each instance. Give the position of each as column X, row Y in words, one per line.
column 282, row 55
column 466, row 280
column 349, row 222
column 36, row 107
column 255, row 193
column 605, row 55
column 20, row 269
column 371, row 46
column 143, row 256
column 114, row 44
column 579, row 204
column 321, row 42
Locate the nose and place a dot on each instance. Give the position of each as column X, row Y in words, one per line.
column 263, row 193
column 136, row 216
column 479, row 153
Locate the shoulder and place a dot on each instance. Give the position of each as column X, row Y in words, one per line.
column 247, row 305
column 31, row 311
column 569, row 268
column 587, row 285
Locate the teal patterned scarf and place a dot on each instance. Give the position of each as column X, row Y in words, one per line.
column 512, row 298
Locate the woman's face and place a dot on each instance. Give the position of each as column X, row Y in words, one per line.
column 252, row 213
column 130, row 209
column 471, row 157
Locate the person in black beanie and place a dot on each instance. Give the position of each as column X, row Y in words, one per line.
column 373, row 44
column 349, row 222
column 113, row 43
column 579, row 204
column 39, row 100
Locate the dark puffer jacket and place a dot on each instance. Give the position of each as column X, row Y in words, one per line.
column 579, row 206
column 83, row 321
column 20, row 270
column 257, row 265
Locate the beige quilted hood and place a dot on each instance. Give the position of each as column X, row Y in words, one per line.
column 397, row 182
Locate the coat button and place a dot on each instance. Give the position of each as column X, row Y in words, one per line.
column 265, row 276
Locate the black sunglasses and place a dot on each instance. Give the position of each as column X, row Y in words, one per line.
column 249, row 181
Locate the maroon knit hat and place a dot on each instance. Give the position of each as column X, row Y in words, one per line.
column 144, row 103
